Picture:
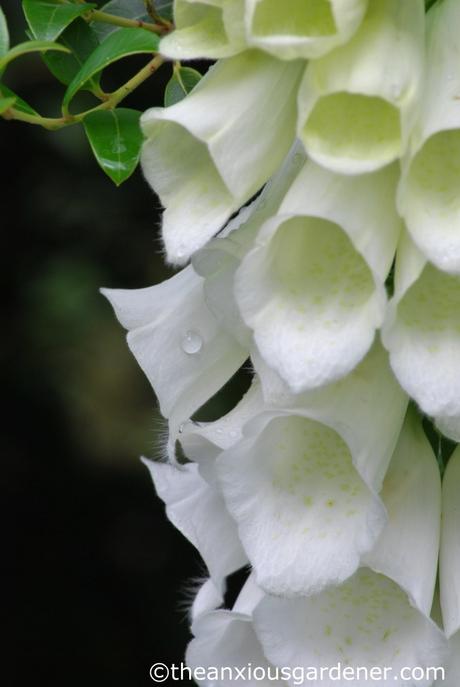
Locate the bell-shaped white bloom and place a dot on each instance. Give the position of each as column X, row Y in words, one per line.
column 449, row 565
column 208, row 154
column 357, row 104
column 422, row 334
column 429, row 198
column 197, row 509
column 180, row 345
column 305, row 28
column 193, row 499
column 205, row 28
column 313, row 287
column 302, row 484
column 225, row 641
column 218, row 261
column 380, row 616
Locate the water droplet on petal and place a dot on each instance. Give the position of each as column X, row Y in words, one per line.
column 192, row 343
column 181, row 428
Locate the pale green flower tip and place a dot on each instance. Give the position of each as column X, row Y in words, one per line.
column 429, row 199
column 299, row 28
column 352, row 133
column 204, row 30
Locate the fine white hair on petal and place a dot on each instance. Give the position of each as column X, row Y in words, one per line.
column 428, row 194
column 357, row 104
column 294, row 29
column 312, row 287
column 243, row 109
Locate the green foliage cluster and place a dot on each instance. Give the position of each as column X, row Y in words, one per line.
column 77, row 40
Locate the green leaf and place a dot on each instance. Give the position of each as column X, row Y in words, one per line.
column 82, row 41
column 115, row 138
column 19, row 103
column 117, row 45
column 6, row 103
column 130, row 9
column 180, row 84
column 48, row 20
column 27, row 47
column 4, row 35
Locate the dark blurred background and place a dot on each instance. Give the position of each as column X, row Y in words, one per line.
column 94, row 576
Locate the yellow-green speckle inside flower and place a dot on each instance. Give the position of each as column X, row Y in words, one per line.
column 318, row 268
column 355, row 127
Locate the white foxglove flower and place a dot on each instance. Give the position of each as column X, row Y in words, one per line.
column 357, row 104
column 226, row 639
column 429, row 193
column 422, row 334
column 380, row 616
column 293, row 29
column 313, row 287
column 218, row 261
column 449, row 565
column 302, row 484
column 178, row 342
column 205, row 28
column 208, row 154
column 197, row 509
column 193, row 499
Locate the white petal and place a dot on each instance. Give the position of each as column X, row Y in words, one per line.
column 243, row 109
column 209, row 597
column 428, row 197
column 449, row 426
column 304, row 514
column 198, row 511
column 312, row 288
column 201, row 31
column 422, row 333
column 452, row 665
column 407, row 550
column 226, row 639
column 178, row 342
column 367, row 622
column 350, row 407
column 302, row 483
column 218, row 261
column 357, row 104
column 203, row 442
column 449, row 567
column 302, row 29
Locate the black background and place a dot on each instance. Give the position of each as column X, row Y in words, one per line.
column 94, row 577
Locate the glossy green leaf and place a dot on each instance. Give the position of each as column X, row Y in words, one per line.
column 117, row 45
column 82, row 41
column 47, row 20
column 27, row 47
column 4, row 35
column 6, row 103
column 130, row 9
column 180, row 84
column 19, row 103
column 115, row 138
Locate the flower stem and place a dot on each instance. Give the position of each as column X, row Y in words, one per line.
column 113, row 99
column 106, row 18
